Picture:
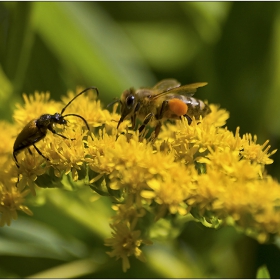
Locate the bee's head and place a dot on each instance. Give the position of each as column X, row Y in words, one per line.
column 128, row 103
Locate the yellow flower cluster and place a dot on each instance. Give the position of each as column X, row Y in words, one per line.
column 11, row 197
column 201, row 169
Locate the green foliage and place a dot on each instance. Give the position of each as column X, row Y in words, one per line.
column 263, row 273
column 56, row 46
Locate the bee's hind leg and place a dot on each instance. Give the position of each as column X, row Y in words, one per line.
column 188, row 118
column 164, row 105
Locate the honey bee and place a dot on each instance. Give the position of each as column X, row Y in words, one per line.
column 166, row 100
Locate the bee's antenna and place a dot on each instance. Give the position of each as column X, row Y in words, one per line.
column 77, row 96
column 113, row 102
column 78, row 116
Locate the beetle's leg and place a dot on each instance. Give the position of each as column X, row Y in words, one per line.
column 40, row 153
column 15, row 157
column 188, row 118
column 50, row 127
column 16, row 161
column 62, row 135
column 146, row 121
column 29, row 151
column 17, row 180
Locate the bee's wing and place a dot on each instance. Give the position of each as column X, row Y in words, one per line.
column 160, row 87
column 166, row 85
column 188, row 90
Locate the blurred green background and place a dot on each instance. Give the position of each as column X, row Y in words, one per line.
column 57, row 46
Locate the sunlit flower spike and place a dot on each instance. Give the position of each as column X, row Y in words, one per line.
column 200, row 169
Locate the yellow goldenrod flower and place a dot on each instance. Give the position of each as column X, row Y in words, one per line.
column 125, row 242
column 201, row 169
column 11, row 200
column 35, row 106
column 255, row 152
column 11, row 197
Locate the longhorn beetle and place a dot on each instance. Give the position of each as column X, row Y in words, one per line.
column 37, row 129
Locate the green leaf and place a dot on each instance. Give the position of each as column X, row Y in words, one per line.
column 70, row 270
column 263, row 273
column 75, row 33
column 30, row 238
column 49, row 180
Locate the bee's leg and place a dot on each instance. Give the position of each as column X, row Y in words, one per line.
column 162, row 109
column 137, row 107
column 188, row 118
column 40, row 153
column 133, row 121
column 157, row 129
column 146, row 121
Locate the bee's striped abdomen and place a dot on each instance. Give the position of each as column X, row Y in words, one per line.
column 196, row 107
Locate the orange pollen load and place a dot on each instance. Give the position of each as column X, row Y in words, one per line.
column 178, row 107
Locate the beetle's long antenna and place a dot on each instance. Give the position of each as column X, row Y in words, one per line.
column 113, row 102
column 77, row 96
column 15, row 157
column 75, row 115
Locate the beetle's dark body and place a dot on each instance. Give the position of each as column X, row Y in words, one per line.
column 37, row 129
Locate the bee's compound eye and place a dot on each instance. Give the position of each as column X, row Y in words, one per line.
column 130, row 100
